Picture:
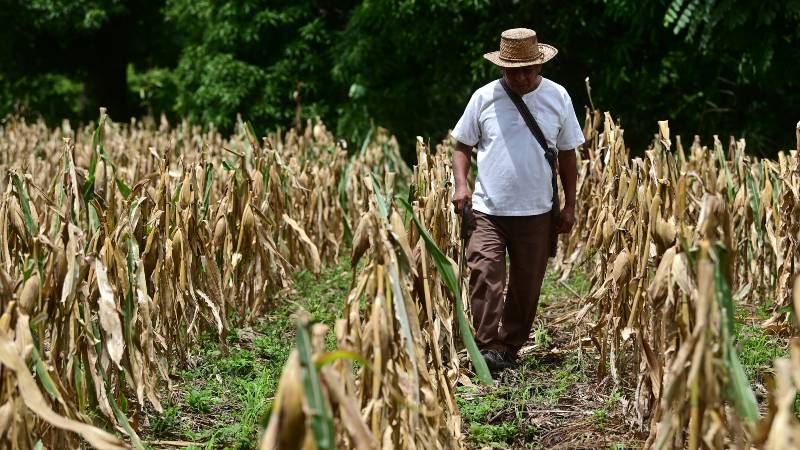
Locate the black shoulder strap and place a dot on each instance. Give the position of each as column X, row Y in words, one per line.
column 550, row 154
column 527, row 117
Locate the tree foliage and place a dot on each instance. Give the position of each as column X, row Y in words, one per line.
column 50, row 50
column 258, row 58
column 710, row 66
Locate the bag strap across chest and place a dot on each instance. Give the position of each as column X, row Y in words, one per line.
column 550, row 154
column 530, row 121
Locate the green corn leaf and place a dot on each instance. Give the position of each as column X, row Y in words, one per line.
column 24, row 203
column 446, row 270
column 737, row 385
column 728, row 178
column 399, row 304
column 342, row 187
column 320, row 415
column 367, row 140
column 330, row 357
column 101, row 152
column 44, row 377
column 94, row 220
column 207, row 193
column 380, row 199
column 348, row 231
column 123, row 421
column 123, row 188
column 177, row 194
column 755, row 200
column 88, row 189
column 97, row 138
column 78, row 378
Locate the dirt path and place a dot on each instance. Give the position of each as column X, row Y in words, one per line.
column 553, row 400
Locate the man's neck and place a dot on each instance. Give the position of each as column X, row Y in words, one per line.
column 533, row 88
column 535, row 84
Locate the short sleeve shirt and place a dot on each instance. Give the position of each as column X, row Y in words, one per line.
column 514, row 178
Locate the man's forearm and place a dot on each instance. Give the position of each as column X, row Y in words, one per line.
column 461, row 163
column 568, row 172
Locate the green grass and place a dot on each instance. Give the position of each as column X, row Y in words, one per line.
column 765, row 309
column 552, row 289
column 496, row 436
column 541, row 337
column 223, row 400
column 758, row 350
column 600, row 417
column 490, row 418
column 166, row 422
column 571, row 372
column 499, row 417
column 199, row 401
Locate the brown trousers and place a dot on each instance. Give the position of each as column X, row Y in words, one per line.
column 505, row 325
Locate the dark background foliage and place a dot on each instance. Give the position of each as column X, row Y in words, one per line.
column 709, row 66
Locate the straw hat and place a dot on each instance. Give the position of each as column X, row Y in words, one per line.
column 519, row 47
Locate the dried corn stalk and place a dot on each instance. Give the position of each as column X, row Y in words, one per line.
column 641, row 221
column 122, row 243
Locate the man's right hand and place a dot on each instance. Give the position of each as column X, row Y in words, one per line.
column 461, row 160
column 461, row 197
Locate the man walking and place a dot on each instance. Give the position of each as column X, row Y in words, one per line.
column 518, row 124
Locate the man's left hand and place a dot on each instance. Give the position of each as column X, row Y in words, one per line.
column 567, row 219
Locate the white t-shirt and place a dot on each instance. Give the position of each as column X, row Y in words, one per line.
column 514, row 178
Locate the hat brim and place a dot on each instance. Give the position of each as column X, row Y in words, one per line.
column 546, row 53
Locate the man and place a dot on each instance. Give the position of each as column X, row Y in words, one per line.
column 513, row 194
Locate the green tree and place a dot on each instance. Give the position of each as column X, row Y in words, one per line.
column 753, row 82
column 729, row 68
column 55, row 49
column 260, row 58
column 709, row 66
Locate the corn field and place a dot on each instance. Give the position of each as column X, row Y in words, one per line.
column 123, row 243
column 673, row 243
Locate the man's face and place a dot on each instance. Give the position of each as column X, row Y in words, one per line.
column 522, row 79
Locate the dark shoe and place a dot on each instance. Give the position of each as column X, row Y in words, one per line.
column 510, row 359
column 497, row 361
